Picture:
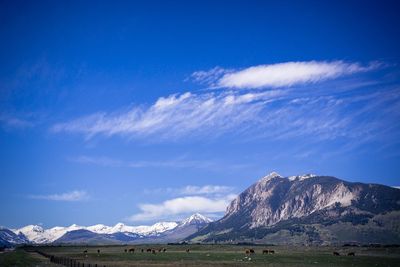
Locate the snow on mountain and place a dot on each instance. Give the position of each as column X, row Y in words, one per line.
column 301, row 177
column 195, row 219
column 36, row 234
column 9, row 238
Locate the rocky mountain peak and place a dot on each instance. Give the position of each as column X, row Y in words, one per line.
column 196, row 218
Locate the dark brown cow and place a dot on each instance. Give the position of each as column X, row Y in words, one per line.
column 271, row 251
column 85, row 252
column 148, row 250
column 153, row 251
column 142, row 250
column 131, row 250
column 265, row 251
column 164, row 250
column 247, row 251
column 125, row 250
column 252, row 251
column 187, row 250
column 351, row 254
column 335, row 253
column 98, row 252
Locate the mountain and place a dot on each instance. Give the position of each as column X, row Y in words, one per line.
column 119, row 233
column 37, row 235
column 161, row 232
column 308, row 209
column 8, row 238
column 184, row 229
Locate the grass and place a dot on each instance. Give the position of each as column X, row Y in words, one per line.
column 21, row 258
column 229, row 255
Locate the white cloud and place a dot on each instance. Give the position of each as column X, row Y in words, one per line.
column 175, row 116
column 280, row 74
column 182, row 205
column 205, row 190
column 68, row 196
column 273, row 115
column 193, row 190
column 9, row 121
column 178, row 162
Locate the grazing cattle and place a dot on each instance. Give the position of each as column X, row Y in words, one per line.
column 153, row 251
column 164, row 250
column 336, row 253
column 98, row 252
column 148, row 250
column 187, row 250
column 131, row 250
column 252, row 251
column 125, row 250
column 160, row 249
column 247, row 251
column 142, row 250
column 265, row 251
column 351, row 254
column 271, row 251
column 85, row 252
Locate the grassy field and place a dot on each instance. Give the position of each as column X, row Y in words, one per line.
column 228, row 255
column 21, row 258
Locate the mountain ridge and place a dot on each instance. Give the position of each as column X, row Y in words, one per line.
column 38, row 235
column 307, row 207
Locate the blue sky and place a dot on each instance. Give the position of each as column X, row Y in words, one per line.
column 144, row 111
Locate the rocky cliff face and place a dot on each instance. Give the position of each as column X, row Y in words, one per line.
column 275, row 201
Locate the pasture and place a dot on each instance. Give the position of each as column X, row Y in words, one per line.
column 225, row 255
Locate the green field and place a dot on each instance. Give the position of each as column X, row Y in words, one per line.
column 211, row 255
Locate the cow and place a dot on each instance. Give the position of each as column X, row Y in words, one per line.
column 351, row 254
column 125, row 250
column 271, row 251
column 98, row 252
column 148, row 250
column 252, row 251
column 160, row 249
column 187, row 250
column 142, row 250
column 131, row 250
column 335, row 253
column 85, row 251
column 247, row 251
column 265, row 251
column 164, row 250
column 153, row 251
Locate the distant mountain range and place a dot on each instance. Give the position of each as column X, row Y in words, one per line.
column 308, row 209
column 304, row 209
column 102, row 234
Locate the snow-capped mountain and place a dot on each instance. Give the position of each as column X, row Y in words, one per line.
column 195, row 219
column 9, row 238
column 317, row 208
column 36, row 234
column 140, row 230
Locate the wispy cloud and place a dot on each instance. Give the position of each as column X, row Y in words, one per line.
column 336, row 110
column 210, row 190
column 75, row 195
column 9, row 121
column 280, row 75
column 182, row 205
column 176, row 115
column 206, row 189
column 179, row 162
